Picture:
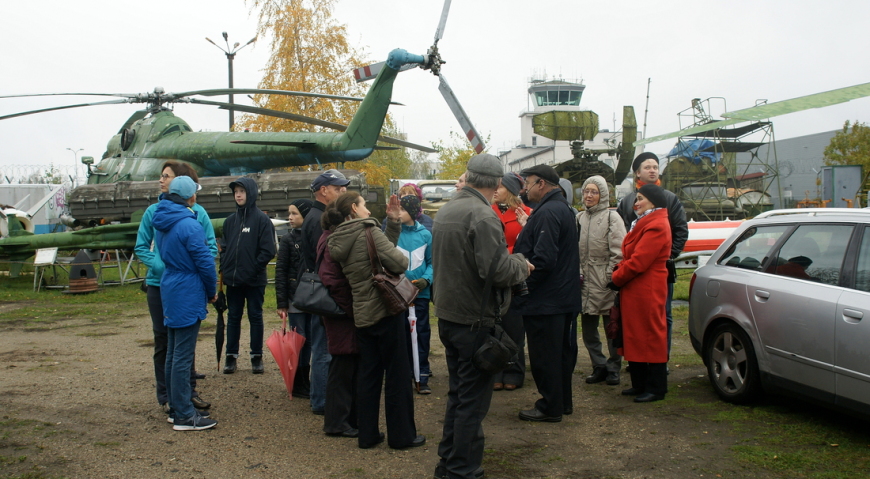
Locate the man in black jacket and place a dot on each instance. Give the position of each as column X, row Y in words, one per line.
column 646, row 170
column 328, row 186
column 248, row 246
column 549, row 241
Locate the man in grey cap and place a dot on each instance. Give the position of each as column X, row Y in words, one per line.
column 549, row 241
column 471, row 266
column 311, row 375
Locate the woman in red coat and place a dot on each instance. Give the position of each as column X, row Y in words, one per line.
column 506, row 202
column 640, row 278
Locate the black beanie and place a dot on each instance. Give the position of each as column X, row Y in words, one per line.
column 655, row 194
column 635, row 165
column 303, row 205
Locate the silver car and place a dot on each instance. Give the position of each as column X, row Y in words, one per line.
column 784, row 305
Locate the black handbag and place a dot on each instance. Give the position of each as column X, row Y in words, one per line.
column 496, row 350
column 396, row 290
column 313, row 297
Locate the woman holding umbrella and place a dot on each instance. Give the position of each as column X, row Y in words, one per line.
column 383, row 342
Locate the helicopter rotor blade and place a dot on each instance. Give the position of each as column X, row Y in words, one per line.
column 123, row 95
column 467, row 128
column 242, row 91
column 65, row 107
column 306, row 119
column 369, row 72
column 808, row 102
column 439, row 32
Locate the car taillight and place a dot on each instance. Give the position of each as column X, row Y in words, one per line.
column 692, row 284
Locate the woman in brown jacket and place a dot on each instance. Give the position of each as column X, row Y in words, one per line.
column 601, row 234
column 382, row 338
column 641, row 277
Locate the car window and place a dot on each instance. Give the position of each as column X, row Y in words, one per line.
column 862, row 273
column 753, row 247
column 814, row 252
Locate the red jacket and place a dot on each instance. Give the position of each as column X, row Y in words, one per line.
column 512, row 227
column 340, row 330
column 643, row 278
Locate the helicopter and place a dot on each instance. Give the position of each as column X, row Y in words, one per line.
column 704, row 171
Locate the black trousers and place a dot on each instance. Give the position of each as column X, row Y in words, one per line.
column 155, row 307
column 515, row 374
column 552, row 341
column 384, row 360
column 649, row 377
column 468, row 400
column 340, row 414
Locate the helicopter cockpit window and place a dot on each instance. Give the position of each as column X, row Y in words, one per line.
column 172, row 129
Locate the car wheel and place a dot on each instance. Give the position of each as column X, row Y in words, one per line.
column 731, row 364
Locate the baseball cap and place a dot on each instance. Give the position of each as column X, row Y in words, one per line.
column 329, row 177
column 184, row 187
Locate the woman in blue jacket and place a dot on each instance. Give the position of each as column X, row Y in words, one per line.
column 148, row 253
column 188, row 285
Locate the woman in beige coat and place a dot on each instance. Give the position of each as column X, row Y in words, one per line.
column 601, row 233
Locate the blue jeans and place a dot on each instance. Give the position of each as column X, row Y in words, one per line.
column 180, row 347
column 311, row 326
column 155, row 307
column 236, row 297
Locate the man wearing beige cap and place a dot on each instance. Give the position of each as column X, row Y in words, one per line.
column 471, row 266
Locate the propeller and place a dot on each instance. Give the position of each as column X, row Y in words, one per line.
column 433, row 62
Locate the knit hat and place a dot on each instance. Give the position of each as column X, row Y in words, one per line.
column 635, row 165
column 411, row 204
column 655, row 194
column 513, row 182
column 183, row 186
column 303, row 205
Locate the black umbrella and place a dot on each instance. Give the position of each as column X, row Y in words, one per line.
column 220, row 305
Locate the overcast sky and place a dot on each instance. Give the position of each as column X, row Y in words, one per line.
column 740, row 50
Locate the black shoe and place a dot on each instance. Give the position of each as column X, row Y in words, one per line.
column 535, row 415
column 379, row 440
column 301, row 394
column 318, row 412
column 417, row 442
column 423, row 388
column 598, row 375
column 198, row 375
column 648, row 397
column 349, row 433
column 441, row 472
column 568, row 411
column 200, row 403
column 257, row 364
column 631, row 392
column 230, row 365
column 612, row 379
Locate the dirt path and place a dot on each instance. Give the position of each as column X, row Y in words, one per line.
column 77, row 401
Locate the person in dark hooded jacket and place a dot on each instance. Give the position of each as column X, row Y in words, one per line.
column 187, row 285
column 248, row 246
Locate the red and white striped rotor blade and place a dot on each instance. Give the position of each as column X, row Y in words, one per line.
column 369, row 72
column 459, row 113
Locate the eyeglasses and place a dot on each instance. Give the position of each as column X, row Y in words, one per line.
column 166, row 177
column 591, row 192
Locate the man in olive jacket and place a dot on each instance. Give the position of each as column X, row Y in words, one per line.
column 467, row 239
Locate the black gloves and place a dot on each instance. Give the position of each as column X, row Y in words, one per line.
column 613, row 286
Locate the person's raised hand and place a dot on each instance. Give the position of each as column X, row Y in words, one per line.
column 393, row 208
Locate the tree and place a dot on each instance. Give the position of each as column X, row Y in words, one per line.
column 454, row 157
column 310, row 53
column 851, row 146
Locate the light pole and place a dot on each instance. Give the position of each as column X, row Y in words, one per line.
column 75, row 162
column 231, row 55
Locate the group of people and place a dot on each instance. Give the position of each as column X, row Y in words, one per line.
column 514, row 252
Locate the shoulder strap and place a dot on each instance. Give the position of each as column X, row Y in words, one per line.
column 373, row 252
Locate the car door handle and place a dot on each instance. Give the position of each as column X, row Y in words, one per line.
column 852, row 315
column 762, row 295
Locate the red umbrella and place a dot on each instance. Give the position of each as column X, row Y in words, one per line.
column 285, row 346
